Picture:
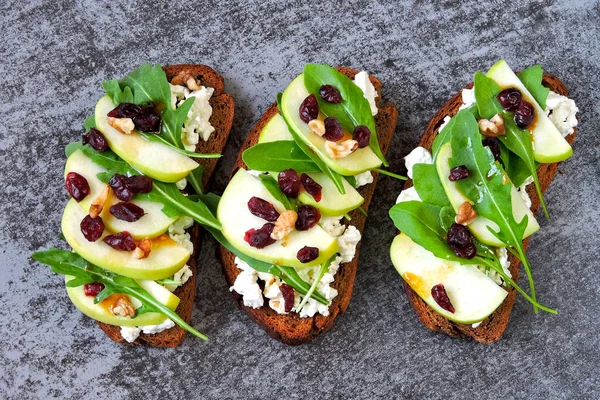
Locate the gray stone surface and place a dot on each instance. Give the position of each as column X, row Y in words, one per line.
column 53, row 57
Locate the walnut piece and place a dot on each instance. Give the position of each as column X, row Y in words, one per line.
column 184, row 78
column 123, row 125
column 143, row 249
column 466, row 214
column 284, row 224
column 99, row 202
column 493, row 127
column 123, row 307
column 340, row 149
column 317, row 126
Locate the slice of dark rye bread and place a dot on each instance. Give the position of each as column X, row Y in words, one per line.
column 290, row 328
column 221, row 119
column 492, row 327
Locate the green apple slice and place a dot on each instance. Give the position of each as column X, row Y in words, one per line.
column 151, row 158
column 360, row 161
column 97, row 311
column 332, row 202
column 154, row 223
column 166, row 257
column 275, row 129
column 236, row 219
column 548, row 144
column 479, row 227
column 472, row 293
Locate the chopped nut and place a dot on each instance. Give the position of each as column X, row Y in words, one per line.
column 284, row 224
column 340, row 149
column 143, row 249
column 123, row 125
column 123, row 307
column 317, row 126
column 466, row 214
column 192, row 83
column 493, row 127
column 99, row 202
column 184, row 78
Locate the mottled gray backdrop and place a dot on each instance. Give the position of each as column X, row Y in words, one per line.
column 55, row 54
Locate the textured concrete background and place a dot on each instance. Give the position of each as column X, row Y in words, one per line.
column 53, row 57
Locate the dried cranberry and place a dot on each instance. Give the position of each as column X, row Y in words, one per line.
column 494, row 145
column 147, row 122
column 308, row 216
column 362, row 135
column 262, row 209
column 96, row 139
column 289, row 183
column 139, row 184
column 92, row 289
column 288, row 296
column 92, row 228
column 260, row 238
column 127, row 211
column 460, row 241
column 510, row 99
column 121, row 241
column 125, row 110
column 119, row 185
column 438, row 292
column 333, row 129
column 309, row 109
column 458, row 173
column 307, row 254
column 330, row 94
column 77, row 186
column 311, row 187
column 524, row 115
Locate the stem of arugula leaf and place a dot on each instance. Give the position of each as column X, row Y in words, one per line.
column 313, row 287
column 384, row 172
column 527, row 268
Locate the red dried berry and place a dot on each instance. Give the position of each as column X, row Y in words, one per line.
column 524, row 115
column 288, row 296
column 120, row 187
column 333, row 129
column 308, row 216
column 510, row 99
column 309, row 109
column 260, row 238
column 461, row 242
column 307, row 254
column 93, row 289
column 147, row 122
column 262, row 209
column 438, row 292
column 458, row 173
column 330, row 94
column 289, row 183
column 96, row 139
column 121, row 241
column 494, row 145
column 312, row 187
column 139, row 184
column 125, row 110
column 126, row 211
column 77, row 186
column 362, row 135
column 91, row 228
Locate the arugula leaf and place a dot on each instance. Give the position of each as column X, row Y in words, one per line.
column 388, row 173
column 428, row 185
column 486, row 187
column 155, row 138
column 532, row 79
column 173, row 121
column 445, row 134
column 117, row 93
column 89, row 123
column 516, row 140
column 324, row 267
column 273, row 187
column 351, row 180
column 68, row 263
column 278, row 156
column 354, row 110
column 447, row 217
column 149, row 84
column 195, row 177
column 517, row 170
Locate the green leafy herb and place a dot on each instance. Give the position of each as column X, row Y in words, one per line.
column 273, row 188
column 354, row 110
column 324, row 268
column 532, row 79
column 428, row 185
column 517, row 170
column 195, row 177
column 388, row 173
column 159, row 139
column 278, row 156
column 351, row 180
column 516, row 140
column 170, row 282
column 117, row 93
column 447, row 217
column 445, row 134
column 68, row 263
column 89, row 123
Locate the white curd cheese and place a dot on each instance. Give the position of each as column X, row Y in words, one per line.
column 409, row 194
column 363, row 179
column 419, row 155
column 333, row 225
column 523, row 191
column 130, row 333
column 183, row 275
column 197, row 122
column 246, row 285
column 468, row 98
column 179, row 235
column 181, row 184
column 562, row 112
column 444, row 122
column 476, row 324
column 362, row 81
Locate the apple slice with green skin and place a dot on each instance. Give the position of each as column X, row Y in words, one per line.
column 275, row 129
column 360, row 161
column 548, row 144
column 166, row 257
column 154, row 223
column 151, row 158
column 479, row 227
column 236, row 219
column 100, row 311
column 472, row 293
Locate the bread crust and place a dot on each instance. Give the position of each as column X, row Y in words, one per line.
column 222, row 120
column 491, row 328
column 290, row 328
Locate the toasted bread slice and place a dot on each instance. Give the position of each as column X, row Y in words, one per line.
column 492, row 327
column 290, row 328
column 222, row 119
